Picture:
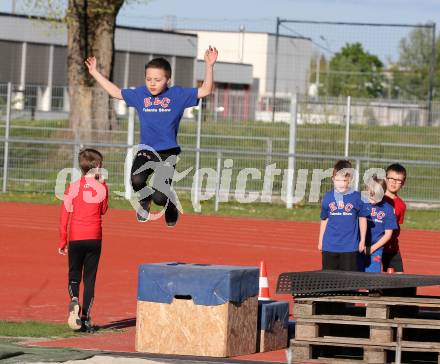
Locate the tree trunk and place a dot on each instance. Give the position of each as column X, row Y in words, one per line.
column 91, row 27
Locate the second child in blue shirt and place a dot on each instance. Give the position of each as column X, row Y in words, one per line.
column 381, row 223
column 343, row 222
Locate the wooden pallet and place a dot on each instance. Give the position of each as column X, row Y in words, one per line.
column 373, row 329
column 328, row 351
column 374, row 307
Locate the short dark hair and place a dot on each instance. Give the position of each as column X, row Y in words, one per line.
column 88, row 159
column 398, row 168
column 340, row 165
column 160, row 63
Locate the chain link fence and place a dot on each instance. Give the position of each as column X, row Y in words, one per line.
column 233, row 147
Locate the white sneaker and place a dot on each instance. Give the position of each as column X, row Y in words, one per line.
column 143, row 214
column 73, row 320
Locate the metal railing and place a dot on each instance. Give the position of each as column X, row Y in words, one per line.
column 34, row 151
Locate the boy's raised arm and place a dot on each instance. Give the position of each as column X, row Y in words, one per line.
column 210, row 58
column 110, row 87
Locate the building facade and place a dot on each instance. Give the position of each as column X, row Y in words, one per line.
column 293, row 59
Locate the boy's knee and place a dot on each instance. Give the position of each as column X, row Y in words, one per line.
column 137, row 181
column 160, row 198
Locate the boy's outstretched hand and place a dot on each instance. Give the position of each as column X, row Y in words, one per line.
column 91, row 64
column 211, row 55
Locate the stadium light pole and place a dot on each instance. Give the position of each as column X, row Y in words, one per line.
column 431, row 74
column 318, row 65
column 242, row 31
column 327, row 71
column 274, row 91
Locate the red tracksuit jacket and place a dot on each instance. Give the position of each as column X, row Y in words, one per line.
column 86, row 200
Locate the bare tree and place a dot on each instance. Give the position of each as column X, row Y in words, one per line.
column 91, row 28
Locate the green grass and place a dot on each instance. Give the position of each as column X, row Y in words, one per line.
column 15, row 337
column 41, row 329
column 423, row 219
column 34, row 329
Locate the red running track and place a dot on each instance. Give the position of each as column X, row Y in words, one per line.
column 33, row 276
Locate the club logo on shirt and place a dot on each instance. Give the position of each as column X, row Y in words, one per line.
column 340, row 206
column 348, row 207
column 163, row 104
column 376, row 215
column 379, row 215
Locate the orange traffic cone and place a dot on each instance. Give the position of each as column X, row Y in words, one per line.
column 263, row 294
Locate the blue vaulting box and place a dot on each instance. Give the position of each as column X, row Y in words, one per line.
column 208, row 285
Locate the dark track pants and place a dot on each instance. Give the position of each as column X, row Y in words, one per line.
column 83, row 263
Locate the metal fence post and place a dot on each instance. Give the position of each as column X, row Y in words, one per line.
column 268, row 151
column 129, row 156
column 292, row 148
column 358, row 174
column 198, row 138
column 217, row 183
column 275, row 68
column 6, row 147
column 215, row 105
column 347, row 126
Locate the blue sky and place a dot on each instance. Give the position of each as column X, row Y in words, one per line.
column 261, row 15
column 389, row 11
column 137, row 12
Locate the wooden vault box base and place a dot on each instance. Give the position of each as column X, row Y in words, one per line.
column 184, row 328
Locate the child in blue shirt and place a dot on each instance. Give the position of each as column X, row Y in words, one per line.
column 343, row 222
column 381, row 223
column 160, row 108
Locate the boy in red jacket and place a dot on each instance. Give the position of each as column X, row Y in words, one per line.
column 85, row 201
column 395, row 179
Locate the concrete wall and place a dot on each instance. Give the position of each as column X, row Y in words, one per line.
column 232, row 73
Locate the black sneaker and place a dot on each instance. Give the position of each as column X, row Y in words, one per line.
column 73, row 320
column 87, row 326
column 143, row 214
column 171, row 215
